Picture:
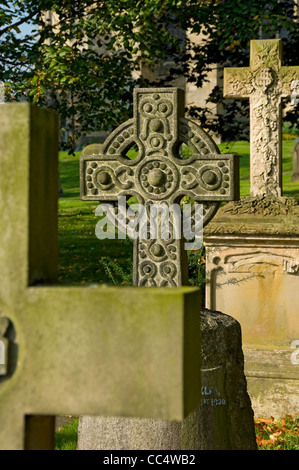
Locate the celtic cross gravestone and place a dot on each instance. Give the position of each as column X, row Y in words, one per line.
column 295, row 175
column 158, row 175
column 265, row 83
column 72, row 349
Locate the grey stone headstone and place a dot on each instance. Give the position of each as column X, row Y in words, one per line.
column 87, row 364
column 224, row 421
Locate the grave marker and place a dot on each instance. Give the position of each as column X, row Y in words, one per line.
column 77, row 350
column 265, row 83
column 92, row 148
column 252, row 272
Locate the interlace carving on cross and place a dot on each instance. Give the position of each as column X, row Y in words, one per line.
column 159, row 175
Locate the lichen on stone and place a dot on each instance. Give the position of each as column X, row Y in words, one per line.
column 263, row 205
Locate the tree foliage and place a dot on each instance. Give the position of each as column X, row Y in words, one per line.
column 86, row 62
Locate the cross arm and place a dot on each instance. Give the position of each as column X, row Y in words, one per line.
column 236, row 82
column 211, row 178
column 288, row 76
column 105, row 352
column 105, row 177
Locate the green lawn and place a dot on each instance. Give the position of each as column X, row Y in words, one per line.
column 82, row 255
column 67, row 436
column 290, row 189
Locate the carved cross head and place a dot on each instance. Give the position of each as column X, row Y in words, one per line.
column 265, row 83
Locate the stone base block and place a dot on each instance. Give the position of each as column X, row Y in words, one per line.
column 252, row 270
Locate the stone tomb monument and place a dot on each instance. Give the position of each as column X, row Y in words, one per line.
column 68, row 349
column 158, row 175
column 253, row 245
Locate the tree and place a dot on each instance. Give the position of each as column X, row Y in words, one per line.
column 86, row 62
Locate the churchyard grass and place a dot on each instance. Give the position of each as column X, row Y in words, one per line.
column 80, row 250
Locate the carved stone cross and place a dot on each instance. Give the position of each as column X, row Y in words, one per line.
column 265, row 83
column 159, row 175
column 67, row 349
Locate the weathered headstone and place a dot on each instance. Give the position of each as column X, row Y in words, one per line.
column 295, row 175
column 253, row 245
column 159, row 175
column 92, row 149
column 224, row 420
column 77, row 350
column 265, row 83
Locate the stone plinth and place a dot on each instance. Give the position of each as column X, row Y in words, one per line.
column 253, row 274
